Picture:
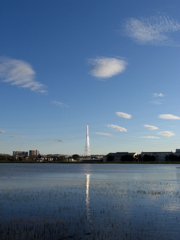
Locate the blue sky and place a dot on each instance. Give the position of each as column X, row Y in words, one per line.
column 112, row 65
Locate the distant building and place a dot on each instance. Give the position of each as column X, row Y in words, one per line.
column 97, row 156
column 17, row 154
column 177, row 153
column 33, row 153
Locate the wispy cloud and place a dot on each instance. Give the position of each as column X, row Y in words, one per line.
column 59, row 104
column 150, row 127
column 158, row 95
column 105, row 134
column 159, row 98
column 2, row 131
column 17, row 137
column 154, row 30
column 158, row 102
column 118, row 128
column 59, row 140
column 150, row 137
column 20, row 73
column 169, row 116
column 123, row 115
column 167, row 133
column 107, row 67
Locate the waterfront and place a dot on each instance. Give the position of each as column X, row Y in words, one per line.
column 89, row 201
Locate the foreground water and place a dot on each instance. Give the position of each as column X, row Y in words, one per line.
column 89, row 201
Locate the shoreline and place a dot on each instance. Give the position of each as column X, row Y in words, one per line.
column 92, row 162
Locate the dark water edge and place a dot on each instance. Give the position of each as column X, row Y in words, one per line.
column 89, row 201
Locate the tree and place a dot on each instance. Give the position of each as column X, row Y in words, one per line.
column 76, row 157
column 31, row 159
column 20, row 159
column 6, row 157
column 172, row 158
column 149, row 158
column 127, row 158
column 61, row 159
column 110, row 158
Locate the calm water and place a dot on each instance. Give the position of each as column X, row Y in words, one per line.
column 89, row 201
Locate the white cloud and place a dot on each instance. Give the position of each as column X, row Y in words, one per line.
column 20, row 73
column 17, row 137
column 105, row 134
column 158, row 95
column 2, row 131
column 123, row 115
column 107, row 67
column 153, row 30
column 167, row 133
column 168, row 116
column 150, row 127
column 59, row 104
column 121, row 129
column 150, row 137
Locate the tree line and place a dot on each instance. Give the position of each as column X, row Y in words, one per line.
column 146, row 158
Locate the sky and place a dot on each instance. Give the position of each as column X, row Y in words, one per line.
column 113, row 65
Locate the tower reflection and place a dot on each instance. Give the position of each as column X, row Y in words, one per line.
column 87, row 195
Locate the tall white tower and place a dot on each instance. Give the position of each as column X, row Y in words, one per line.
column 87, row 146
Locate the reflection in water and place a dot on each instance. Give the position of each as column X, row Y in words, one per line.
column 87, row 196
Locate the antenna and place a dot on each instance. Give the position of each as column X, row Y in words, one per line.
column 87, row 146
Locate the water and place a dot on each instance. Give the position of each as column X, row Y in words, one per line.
column 89, row 201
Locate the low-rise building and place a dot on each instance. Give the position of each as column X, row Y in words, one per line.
column 177, row 153
column 17, row 154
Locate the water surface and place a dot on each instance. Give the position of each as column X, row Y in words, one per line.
column 89, row 201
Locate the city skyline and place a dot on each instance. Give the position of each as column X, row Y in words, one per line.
column 111, row 65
